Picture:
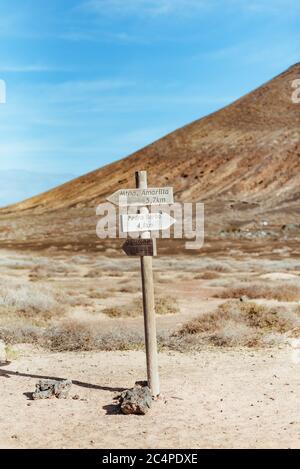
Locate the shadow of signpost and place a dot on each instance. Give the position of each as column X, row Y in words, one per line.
column 9, row 373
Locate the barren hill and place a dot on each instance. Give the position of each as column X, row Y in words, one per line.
column 242, row 161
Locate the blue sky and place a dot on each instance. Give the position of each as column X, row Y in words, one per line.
column 90, row 81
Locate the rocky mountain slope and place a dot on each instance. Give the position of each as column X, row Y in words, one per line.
column 242, row 161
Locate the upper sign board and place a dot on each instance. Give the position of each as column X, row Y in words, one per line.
column 139, row 197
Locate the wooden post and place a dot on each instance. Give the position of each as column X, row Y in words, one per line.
column 148, row 303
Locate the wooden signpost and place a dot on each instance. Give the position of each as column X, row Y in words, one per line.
column 145, row 247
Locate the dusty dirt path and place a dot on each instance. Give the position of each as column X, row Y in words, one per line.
column 214, row 399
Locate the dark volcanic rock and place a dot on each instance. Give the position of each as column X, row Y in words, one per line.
column 48, row 388
column 136, row 401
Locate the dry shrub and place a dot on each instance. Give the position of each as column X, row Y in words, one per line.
column 280, row 291
column 233, row 324
column 166, row 305
column 72, row 335
column 207, row 275
column 94, row 273
column 38, row 303
column 20, row 332
column 77, row 335
column 128, row 289
column 19, row 266
column 41, row 273
column 45, row 271
column 97, row 272
column 163, row 305
column 114, row 273
column 99, row 295
column 221, row 268
column 237, row 323
column 164, row 280
column 120, row 312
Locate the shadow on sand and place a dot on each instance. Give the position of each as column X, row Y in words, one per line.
column 9, row 373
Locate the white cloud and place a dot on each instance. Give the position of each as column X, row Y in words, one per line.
column 273, row 7
column 80, row 91
column 29, row 68
column 286, row 53
column 103, row 36
column 143, row 7
column 94, row 85
column 187, row 7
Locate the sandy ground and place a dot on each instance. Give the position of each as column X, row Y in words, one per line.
column 219, row 398
column 214, row 399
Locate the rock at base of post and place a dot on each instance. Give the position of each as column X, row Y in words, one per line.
column 137, row 400
column 48, row 388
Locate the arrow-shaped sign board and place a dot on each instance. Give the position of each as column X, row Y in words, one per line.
column 140, row 247
column 137, row 197
column 146, row 222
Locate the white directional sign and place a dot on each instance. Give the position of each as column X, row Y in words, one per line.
column 137, row 197
column 146, row 222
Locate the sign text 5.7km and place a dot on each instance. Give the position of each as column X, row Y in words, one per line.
column 139, row 197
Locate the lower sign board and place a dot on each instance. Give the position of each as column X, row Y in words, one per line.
column 140, row 247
